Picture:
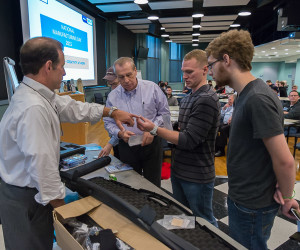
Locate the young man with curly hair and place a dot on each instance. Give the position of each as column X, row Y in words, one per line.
column 261, row 170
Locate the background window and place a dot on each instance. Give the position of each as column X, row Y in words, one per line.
column 153, row 61
column 175, row 63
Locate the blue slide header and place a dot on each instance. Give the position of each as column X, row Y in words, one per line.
column 66, row 34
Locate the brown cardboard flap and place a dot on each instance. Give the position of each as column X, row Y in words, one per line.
column 137, row 238
column 78, row 208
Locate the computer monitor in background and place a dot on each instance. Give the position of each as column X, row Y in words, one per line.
column 10, row 77
column 72, row 27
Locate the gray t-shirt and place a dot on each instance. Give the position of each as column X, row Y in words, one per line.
column 258, row 114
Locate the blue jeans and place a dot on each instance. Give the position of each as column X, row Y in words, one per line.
column 251, row 227
column 196, row 196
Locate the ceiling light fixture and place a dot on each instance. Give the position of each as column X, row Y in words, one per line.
column 297, row 51
column 286, row 49
column 140, row 1
column 263, row 51
column 195, row 40
column 286, row 53
column 168, row 41
column 244, row 13
column 196, row 34
column 164, row 35
column 194, row 44
column 196, row 26
column 153, row 17
column 273, row 48
column 235, row 25
column 197, row 15
column 162, row 28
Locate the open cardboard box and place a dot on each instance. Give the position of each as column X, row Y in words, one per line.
column 106, row 218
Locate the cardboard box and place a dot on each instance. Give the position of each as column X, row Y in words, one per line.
column 106, row 218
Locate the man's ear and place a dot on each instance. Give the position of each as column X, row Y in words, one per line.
column 226, row 59
column 48, row 65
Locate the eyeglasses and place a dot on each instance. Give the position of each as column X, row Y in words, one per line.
column 209, row 66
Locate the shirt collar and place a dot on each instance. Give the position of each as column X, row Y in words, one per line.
column 131, row 92
column 40, row 88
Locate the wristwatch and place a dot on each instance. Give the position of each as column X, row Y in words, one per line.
column 112, row 109
column 154, row 131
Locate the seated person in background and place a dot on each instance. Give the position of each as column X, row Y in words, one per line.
column 186, row 90
column 220, row 90
column 162, row 86
column 275, row 89
column 226, row 114
column 172, row 100
column 292, row 111
column 282, row 89
column 209, row 82
column 295, row 88
column 269, row 82
column 113, row 82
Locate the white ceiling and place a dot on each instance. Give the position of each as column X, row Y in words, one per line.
column 173, row 4
column 215, row 3
column 286, row 49
column 179, row 23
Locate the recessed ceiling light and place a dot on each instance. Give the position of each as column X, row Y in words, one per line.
column 298, row 51
column 196, row 34
column 275, row 52
column 286, row 53
column 153, row 17
column 140, row 1
column 195, row 40
column 194, row 44
column 168, row 41
column 196, row 15
column 267, row 55
column 273, row 48
column 196, row 26
column 235, row 25
column 263, row 51
column 286, row 49
column 162, row 28
column 164, row 35
column 244, row 13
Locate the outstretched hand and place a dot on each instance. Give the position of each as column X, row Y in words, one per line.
column 123, row 117
column 144, row 124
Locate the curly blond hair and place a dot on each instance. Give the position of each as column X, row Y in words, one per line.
column 235, row 43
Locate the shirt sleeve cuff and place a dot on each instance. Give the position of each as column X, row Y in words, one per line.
column 47, row 197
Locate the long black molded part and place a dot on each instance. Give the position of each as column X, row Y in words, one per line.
column 77, row 172
column 85, row 188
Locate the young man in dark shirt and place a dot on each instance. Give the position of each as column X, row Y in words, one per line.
column 258, row 157
column 193, row 171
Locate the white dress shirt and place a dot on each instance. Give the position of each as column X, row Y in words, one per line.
column 30, row 137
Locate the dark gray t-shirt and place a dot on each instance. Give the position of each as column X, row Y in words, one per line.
column 258, row 114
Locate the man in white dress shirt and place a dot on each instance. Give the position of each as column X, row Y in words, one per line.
column 30, row 145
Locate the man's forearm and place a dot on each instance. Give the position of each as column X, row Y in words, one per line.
column 57, row 203
column 285, row 174
column 171, row 136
